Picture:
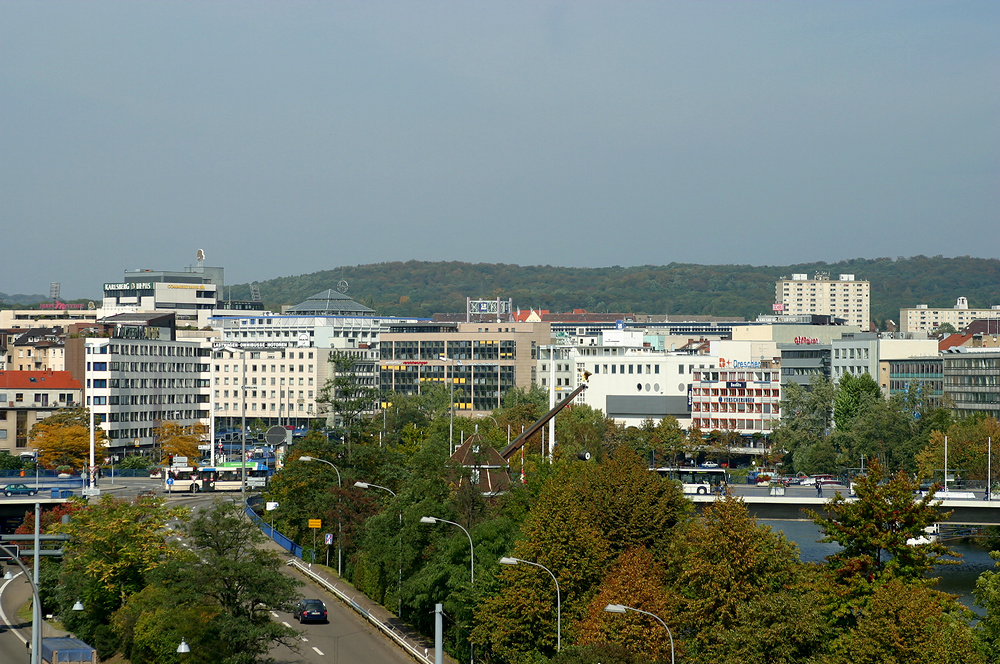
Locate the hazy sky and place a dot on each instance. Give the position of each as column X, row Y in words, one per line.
column 289, row 137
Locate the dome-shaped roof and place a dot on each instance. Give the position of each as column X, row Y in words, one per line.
column 329, row 303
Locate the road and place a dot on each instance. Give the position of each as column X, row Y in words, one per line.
column 346, row 638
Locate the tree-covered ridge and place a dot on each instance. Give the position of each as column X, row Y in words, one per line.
column 421, row 288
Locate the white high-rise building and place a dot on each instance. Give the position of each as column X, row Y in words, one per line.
column 844, row 297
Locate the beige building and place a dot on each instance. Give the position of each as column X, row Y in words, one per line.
column 924, row 320
column 844, row 297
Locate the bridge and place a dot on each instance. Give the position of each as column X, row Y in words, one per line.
column 971, row 512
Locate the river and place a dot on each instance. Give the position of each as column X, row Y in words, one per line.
column 958, row 580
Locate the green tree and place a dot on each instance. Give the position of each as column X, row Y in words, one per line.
column 853, row 393
column 244, row 582
column 967, row 449
column 114, row 545
column 805, row 421
column 347, row 396
column 874, row 532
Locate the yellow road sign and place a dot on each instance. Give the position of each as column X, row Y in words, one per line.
column 315, row 523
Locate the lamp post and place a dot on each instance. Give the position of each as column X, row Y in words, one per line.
column 472, row 549
column 243, row 422
column 451, row 407
column 36, row 619
column 515, row 561
column 399, row 555
column 340, row 549
column 621, row 608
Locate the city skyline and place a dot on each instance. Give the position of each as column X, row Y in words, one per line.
column 285, row 139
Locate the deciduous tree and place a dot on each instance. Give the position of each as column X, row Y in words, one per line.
column 177, row 440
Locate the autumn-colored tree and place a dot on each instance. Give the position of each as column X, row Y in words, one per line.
column 635, row 580
column 178, row 440
column 518, row 623
column 905, row 623
column 968, row 447
column 62, row 445
column 742, row 589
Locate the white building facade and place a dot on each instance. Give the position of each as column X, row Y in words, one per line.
column 844, row 297
column 922, row 319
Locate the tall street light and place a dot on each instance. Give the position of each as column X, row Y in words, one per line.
column 451, row 408
column 472, row 549
column 515, row 561
column 340, row 549
column 621, row 608
column 399, row 555
column 243, row 425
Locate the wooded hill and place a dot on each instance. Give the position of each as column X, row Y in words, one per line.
column 422, row 288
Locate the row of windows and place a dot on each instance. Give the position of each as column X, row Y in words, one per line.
column 252, row 406
column 717, row 407
column 275, row 394
column 263, row 381
column 148, row 367
column 632, row 368
column 706, row 424
column 38, row 397
column 851, row 353
column 734, row 392
column 253, row 368
column 147, row 399
column 738, row 376
column 148, row 349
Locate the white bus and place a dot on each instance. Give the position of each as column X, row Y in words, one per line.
column 229, row 477
column 696, row 480
column 178, row 479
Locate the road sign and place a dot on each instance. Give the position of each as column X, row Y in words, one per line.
column 328, row 538
column 170, row 481
column 315, row 523
column 275, row 435
column 91, row 491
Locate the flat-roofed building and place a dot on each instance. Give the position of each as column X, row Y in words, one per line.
column 845, row 297
column 923, row 319
column 28, row 397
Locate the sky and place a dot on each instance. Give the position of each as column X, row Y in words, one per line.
column 284, row 138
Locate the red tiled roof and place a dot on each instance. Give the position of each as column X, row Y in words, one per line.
column 953, row 340
column 48, row 380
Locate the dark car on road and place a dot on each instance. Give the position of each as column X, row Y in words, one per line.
column 311, row 610
column 19, row 490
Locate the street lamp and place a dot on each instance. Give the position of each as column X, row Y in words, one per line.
column 399, row 555
column 183, row 647
column 472, row 549
column 340, row 549
column 451, row 408
column 621, row 608
column 36, row 619
column 515, row 561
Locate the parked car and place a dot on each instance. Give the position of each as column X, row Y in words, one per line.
column 19, row 490
column 311, row 610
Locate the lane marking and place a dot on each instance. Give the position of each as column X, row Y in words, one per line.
column 318, row 651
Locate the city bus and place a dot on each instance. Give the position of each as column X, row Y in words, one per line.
column 177, row 479
column 696, row 480
column 228, row 476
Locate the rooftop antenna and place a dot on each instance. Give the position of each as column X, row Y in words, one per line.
column 54, row 289
column 255, row 292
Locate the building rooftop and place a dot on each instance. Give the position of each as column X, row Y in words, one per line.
column 329, row 303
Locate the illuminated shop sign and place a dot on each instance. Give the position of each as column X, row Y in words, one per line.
column 736, row 399
column 136, row 285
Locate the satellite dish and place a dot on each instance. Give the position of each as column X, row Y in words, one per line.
column 342, row 285
column 201, row 256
